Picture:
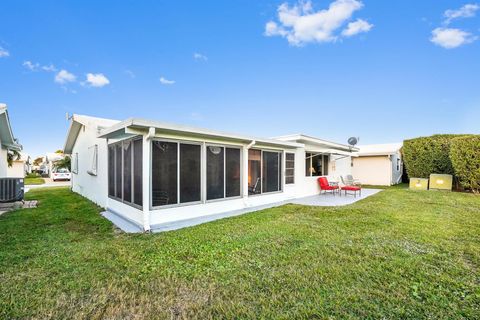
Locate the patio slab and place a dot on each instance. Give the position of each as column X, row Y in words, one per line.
column 330, row 200
column 324, row 200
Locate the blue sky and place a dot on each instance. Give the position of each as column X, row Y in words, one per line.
column 380, row 70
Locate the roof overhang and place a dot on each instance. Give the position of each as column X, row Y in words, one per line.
column 6, row 135
column 319, row 143
column 134, row 126
column 76, row 124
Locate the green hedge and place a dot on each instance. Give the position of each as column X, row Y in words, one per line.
column 465, row 158
column 425, row 155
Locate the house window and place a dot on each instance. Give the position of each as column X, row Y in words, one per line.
column 223, row 172
column 398, row 164
column 264, row 171
column 289, row 168
column 93, row 151
column 75, row 163
column 316, row 164
column 125, row 171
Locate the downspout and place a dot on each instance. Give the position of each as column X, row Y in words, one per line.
column 245, row 174
column 146, row 175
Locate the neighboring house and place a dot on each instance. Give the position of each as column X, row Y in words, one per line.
column 48, row 163
column 7, row 140
column 20, row 166
column 154, row 174
column 378, row 164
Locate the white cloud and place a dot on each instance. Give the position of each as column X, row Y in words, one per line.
column 130, row 73
column 31, row 66
column 467, row 11
column 97, row 80
column 450, row 38
column 37, row 67
column 357, row 27
column 63, row 76
column 165, row 81
column 49, row 68
column 199, row 56
column 4, row 53
column 300, row 24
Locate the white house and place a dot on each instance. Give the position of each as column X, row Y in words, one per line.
column 7, row 140
column 155, row 174
column 378, row 164
column 20, row 166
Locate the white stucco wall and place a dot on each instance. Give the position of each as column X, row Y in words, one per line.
column 397, row 173
column 3, row 162
column 94, row 188
column 17, row 170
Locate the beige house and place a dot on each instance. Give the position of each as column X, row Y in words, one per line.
column 378, row 164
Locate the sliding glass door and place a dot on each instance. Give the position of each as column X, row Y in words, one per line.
column 264, row 171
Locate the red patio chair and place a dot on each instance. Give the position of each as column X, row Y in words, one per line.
column 326, row 187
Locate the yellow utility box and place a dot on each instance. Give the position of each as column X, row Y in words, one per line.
column 418, row 184
column 441, row 182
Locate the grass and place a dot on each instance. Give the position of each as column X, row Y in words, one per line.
column 399, row 254
column 34, row 181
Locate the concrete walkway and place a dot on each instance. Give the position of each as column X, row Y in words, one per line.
column 49, row 183
column 324, row 200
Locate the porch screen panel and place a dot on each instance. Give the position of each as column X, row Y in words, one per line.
column 232, row 172
column 308, row 164
column 215, row 173
column 325, row 165
column 137, row 172
column 254, row 172
column 118, row 170
column 127, row 171
column 271, row 172
column 164, row 173
column 111, row 171
column 190, row 173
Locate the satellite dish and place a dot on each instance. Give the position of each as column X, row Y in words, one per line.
column 352, row 141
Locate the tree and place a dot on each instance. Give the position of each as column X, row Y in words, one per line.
column 66, row 162
column 12, row 155
column 37, row 161
column 59, row 151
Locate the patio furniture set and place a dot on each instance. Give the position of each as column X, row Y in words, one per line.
column 349, row 186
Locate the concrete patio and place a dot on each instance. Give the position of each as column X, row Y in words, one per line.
column 324, row 200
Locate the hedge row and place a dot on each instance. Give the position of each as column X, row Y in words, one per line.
column 458, row 155
column 465, row 157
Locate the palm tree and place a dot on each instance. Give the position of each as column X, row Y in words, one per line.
column 12, row 155
column 66, row 162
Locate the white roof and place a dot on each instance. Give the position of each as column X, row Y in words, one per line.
column 302, row 138
column 76, row 124
column 122, row 128
column 6, row 136
column 385, row 149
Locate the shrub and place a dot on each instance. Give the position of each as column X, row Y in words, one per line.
column 465, row 158
column 425, row 155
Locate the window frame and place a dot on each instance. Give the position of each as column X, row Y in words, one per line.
column 281, row 179
column 75, row 163
column 312, row 155
column 224, row 146
column 292, row 168
column 132, row 168
column 93, row 171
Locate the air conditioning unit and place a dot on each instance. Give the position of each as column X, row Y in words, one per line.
column 11, row 189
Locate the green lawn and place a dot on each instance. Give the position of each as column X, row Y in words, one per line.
column 34, row 181
column 398, row 254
